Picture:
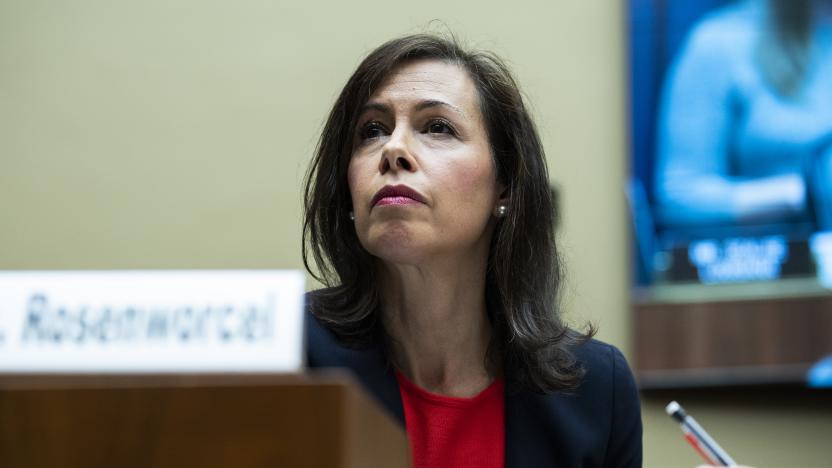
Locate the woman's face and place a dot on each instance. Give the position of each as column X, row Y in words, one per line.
column 421, row 175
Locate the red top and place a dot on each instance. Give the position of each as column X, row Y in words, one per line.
column 454, row 432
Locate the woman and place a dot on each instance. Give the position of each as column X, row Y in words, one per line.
column 429, row 216
column 745, row 131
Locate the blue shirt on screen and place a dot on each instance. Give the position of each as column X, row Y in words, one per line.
column 731, row 149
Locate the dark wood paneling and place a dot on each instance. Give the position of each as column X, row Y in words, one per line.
column 731, row 342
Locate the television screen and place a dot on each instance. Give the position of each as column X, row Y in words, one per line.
column 731, row 133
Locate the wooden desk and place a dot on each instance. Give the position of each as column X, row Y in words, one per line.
column 317, row 420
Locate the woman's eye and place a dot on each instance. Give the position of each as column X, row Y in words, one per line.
column 371, row 130
column 440, row 126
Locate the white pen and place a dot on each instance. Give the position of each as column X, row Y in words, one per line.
column 698, row 438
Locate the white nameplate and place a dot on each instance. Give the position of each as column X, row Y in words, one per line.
column 151, row 321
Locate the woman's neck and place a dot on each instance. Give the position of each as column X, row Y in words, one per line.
column 436, row 317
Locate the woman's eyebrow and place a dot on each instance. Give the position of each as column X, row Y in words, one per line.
column 429, row 103
column 422, row 105
column 376, row 106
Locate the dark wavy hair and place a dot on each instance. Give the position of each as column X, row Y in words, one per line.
column 529, row 341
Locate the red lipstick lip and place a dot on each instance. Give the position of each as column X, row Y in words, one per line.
column 389, row 191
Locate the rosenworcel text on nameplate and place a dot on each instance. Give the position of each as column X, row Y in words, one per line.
column 151, row 321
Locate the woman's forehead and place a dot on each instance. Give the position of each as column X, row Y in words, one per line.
column 428, row 80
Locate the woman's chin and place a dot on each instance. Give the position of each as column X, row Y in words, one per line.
column 397, row 246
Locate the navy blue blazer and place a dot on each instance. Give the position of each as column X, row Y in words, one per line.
column 598, row 425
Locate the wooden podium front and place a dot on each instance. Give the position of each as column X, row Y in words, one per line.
column 309, row 420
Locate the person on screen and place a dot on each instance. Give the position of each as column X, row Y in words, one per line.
column 428, row 216
column 745, row 126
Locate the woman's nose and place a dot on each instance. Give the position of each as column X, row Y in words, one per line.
column 396, row 155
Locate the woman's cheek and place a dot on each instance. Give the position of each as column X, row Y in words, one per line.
column 469, row 195
column 354, row 183
column 476, row 180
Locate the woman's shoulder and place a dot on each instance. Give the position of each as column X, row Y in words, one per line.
column 595, row 424
column 597, row 356
column 609, row 376
column 606, row 372
column 326, row 345
column 369, row 364
column 607, row 393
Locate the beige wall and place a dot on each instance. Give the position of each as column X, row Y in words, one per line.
column 174, row 134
